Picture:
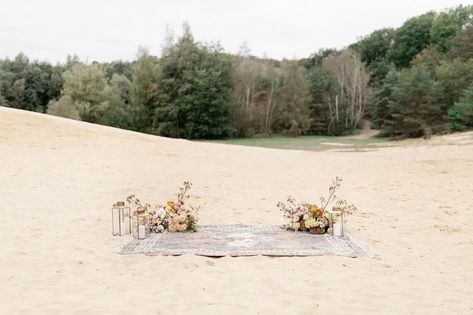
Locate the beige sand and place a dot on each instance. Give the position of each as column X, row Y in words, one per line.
column 59, row 178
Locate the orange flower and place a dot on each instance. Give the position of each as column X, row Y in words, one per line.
column 316, row 211
column 178, row 224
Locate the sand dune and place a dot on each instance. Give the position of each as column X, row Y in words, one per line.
column 59, row 178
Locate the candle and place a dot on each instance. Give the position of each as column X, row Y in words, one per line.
column 337, row 229
column 141, row 232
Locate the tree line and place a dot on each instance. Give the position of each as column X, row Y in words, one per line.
column 421, row 74
column 412, row 81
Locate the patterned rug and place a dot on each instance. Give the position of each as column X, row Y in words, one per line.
column 243, row 240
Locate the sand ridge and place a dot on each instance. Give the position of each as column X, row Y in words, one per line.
column 60, row 177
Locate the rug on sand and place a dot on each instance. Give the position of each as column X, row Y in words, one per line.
column 243, row 240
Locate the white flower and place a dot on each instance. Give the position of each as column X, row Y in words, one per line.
column 161, row 212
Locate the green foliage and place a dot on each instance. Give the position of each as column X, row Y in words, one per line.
column 15, row 94
column 379, row 107
column 64, row 107
column 463, row 44
column 461, row 113
column 410, row 39
column 144, row 96
column 3, row 100
column 291, row 114
column 454, row 76
column 194, row 94
column 435, row 47
column 339, row 92
column 415, row 110
column 26, row 85
column 316, row 59
column 56, row 82
column 123, row 68
column 428, row 59
column 85, row 83
column 448, row 24
column 375, row 47
column 323, row 89
column 88, row 96
column 121, row 86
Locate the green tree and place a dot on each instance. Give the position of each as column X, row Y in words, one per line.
column 291, row 114
column 415, row 110
column 463, row 44
column 119, row 67
column 379, row 107
column 410, row 39
column 16, row 94
column 122, row 87
column 375, row 47
column 87, row 95
column 323, row 89
column 454, row 76
column 374, row 50
column 85, row 84
column 144, row 93
column 56, row 82
column 428, row 59
column 316, row 59
column 448, row 25
column 64, row 107
column 461, row 113
column 3, row 100
column 26, row 85
column 194, row 96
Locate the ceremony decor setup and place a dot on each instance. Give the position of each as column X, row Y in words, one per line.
column 318, row 219
column 173, row 216
column 152, row 229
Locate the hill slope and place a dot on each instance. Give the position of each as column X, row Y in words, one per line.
column 60, row 177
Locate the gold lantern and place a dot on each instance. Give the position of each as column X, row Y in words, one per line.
column 140, row 224
column 121, row 219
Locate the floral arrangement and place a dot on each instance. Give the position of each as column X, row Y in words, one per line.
column 316, row 219
column 174, row 216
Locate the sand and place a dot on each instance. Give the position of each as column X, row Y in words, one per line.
column 59, row 178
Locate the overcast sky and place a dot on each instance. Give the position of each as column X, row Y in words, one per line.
column 106, row 30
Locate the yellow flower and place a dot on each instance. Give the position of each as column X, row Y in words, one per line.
column 313, row 208
column 170, row 205
column 310, row 223
column 316, row 211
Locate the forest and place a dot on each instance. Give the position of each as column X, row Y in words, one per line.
column 411, row 81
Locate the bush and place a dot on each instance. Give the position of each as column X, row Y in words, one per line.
column 64, row 107
column 461, row 113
